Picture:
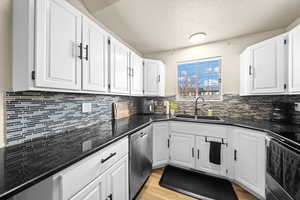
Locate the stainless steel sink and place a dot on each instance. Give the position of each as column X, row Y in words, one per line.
column 199, row 118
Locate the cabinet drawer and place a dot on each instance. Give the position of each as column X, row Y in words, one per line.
column 199, row 129
column 76, row 177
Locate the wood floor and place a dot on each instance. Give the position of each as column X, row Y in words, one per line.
column 152, row 191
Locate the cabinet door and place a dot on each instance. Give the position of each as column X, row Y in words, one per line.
column 161, row 79
column 160, row 144
column 137, row 74
column 294, row 60
column 94, row 191
column 119, row 67
column 94, row 71
column 250, row 160
column 117, row 180
column 245, row 73
column 202, row 157
column 182, row 149
column 58, row 35
column 151, row 78
column 268, row 66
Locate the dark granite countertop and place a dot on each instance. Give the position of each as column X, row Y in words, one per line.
column 24, row 165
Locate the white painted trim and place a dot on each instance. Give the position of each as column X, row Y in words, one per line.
column 178, row 98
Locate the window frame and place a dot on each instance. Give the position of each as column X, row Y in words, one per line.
column 179, row 98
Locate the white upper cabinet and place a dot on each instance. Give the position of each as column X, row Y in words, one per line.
column 95, row 59
column 154, row 78
column 269, row 66
column 264, row 67
column 137, row 74
column 58, row 48
column 151, row 68
column 58, row 40
column 245, row 73
column 294, row 60
column 119, row 68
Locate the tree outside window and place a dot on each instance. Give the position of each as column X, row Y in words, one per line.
column 200, row 78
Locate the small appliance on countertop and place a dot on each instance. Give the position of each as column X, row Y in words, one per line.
column 147, row 106
column 282, row 112
column 296, row 114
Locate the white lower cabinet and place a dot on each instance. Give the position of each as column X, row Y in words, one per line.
column 101, row 176
column 113, row 184
column 202, row 157
column 94, row 191
column 117, row 181
column 161, row 143
column 182, row 149
column 250, row 159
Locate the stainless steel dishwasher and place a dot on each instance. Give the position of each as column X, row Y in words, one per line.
column 140, row 159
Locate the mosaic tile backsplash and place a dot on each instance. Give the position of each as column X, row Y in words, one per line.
column 35, row 114
column 233, row 106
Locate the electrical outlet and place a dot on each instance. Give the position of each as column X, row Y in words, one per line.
column 86, row 145
column 297, row 107
column 86, row 107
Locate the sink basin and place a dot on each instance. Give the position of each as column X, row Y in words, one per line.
column 192, row 117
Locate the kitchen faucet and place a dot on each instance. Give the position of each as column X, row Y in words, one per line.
column 196, row 106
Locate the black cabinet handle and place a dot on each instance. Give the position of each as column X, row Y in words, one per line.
column 250, row 70
column 168, row 143
column 235, row 155
column 86, row 52
column 198, row 154
column 193, row 153
column 80, row 51
column 110, row 197
column 109, row 157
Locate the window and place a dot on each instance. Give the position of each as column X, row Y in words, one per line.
column 200, row 78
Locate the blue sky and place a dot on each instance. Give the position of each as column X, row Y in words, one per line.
column 203, row 69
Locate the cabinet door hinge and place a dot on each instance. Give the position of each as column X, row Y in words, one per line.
column 33, row 75
column 285, row 86
column 285, row 41
column 108, row 41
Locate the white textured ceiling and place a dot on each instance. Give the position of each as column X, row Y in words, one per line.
column 157, row 25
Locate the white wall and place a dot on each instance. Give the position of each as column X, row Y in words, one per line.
column 5, row 44
column 229, row 50
column 294, row 24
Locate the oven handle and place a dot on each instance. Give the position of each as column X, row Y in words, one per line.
column 282, row 142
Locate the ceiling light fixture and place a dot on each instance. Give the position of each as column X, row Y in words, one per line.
column 197, row 37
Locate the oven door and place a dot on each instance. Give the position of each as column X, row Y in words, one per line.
column 283, row 171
